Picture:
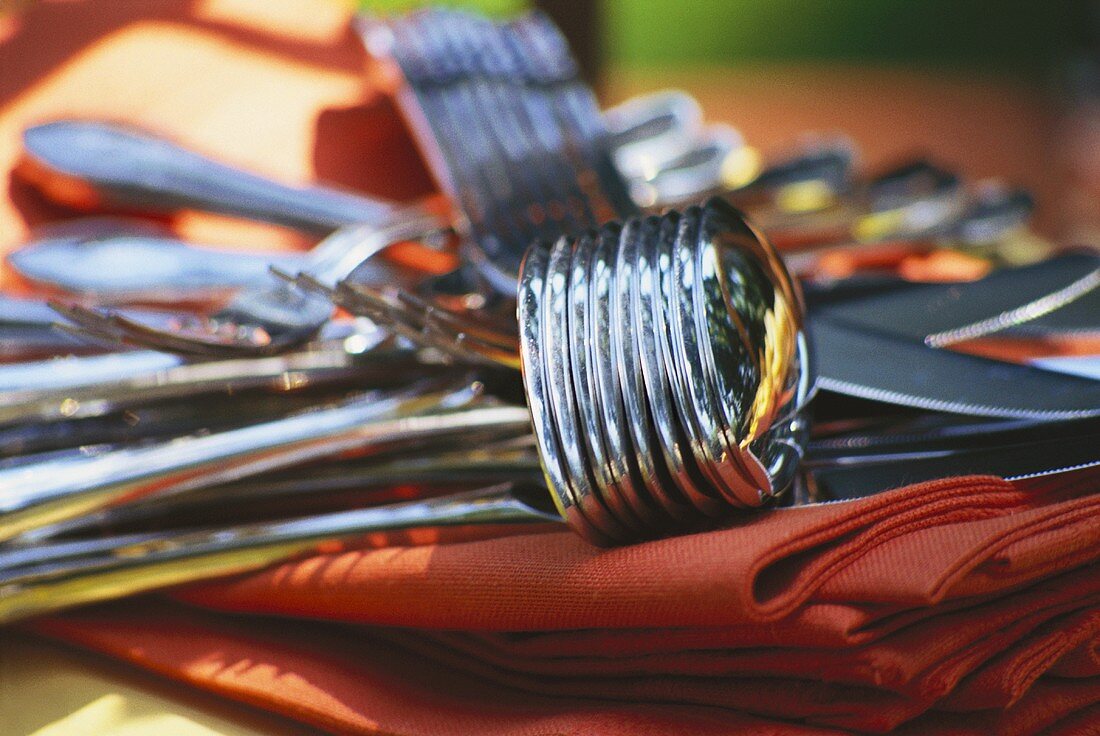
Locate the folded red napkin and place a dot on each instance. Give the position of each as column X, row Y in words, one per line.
column 353, row 679
column 970, row 535
column 933, row 603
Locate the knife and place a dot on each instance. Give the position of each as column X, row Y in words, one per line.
column 866, row 362
column 940, row 314
column 928, row 433
column 1016, row 461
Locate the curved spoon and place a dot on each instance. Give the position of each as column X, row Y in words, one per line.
column 121, row 166
column 128, row 265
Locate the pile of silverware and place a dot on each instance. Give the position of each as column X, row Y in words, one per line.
column 606, row 353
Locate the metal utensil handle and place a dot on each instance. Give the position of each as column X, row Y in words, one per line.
column 172, row 271
column 80, row 387
column 36, row 495
column 131, row 168
column 64, row 580
column 302, row 489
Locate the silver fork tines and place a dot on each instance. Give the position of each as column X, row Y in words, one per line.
column 264, row 320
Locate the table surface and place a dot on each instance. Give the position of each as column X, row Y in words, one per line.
column 50, row 690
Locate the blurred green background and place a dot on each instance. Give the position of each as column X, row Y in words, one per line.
column 1013, row 36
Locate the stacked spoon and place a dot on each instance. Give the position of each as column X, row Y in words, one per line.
column 665, row 367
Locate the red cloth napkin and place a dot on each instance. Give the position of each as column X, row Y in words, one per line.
column 962, row 606
column 933, row 604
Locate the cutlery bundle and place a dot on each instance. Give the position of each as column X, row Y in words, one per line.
column 603, row 351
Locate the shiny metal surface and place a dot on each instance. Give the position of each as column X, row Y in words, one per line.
column 716, row 458
column 954, row 220
column 266, row 319
column 39, row 494
column 646, row 133
column 79, row 387
column 649, row 338
column 735, row 268
column 27, row 331
column 696, row 172
column 131, row 168
column 96, row 258
column 811, row 177
column 610, row 427
column 446, row 464
column 626, row 364
column 554, row 319
column 910, row 373
column 700, row 420
column 1007, row 299
column 532, row 346
column 586, row 415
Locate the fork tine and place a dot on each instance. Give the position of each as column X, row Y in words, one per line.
column 371, row 306
column 310, row 283
column 464, row 342
column 162, row 339
column 293, row 279
column 392, row 315
column 423, row 322
column 433, row 315
column 117, row 328
column 404, row 309
column 104, row 339
column 88, row 323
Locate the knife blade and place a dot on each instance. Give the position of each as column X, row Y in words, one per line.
column 928, row 433
column 858, row 360
column 944, row 313
column 1007, row 461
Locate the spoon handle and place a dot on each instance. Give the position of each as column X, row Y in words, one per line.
column 79, row 387
column 171, row 271
column 40, row 494
column 68, row 574
column 133, row 169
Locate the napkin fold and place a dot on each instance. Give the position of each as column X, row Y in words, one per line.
column 973, row 536
column 359, row 680
column 760, row 569
column 934, row 603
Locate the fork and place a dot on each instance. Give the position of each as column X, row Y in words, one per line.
column 258, row 321
column 504, row 203
column 264, row 320
column 503, row 79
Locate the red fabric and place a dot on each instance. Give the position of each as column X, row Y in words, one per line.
column 968, row 625
column 356, row 680
column 964, row 606
column 762, row 569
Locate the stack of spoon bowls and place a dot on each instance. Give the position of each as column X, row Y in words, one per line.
column 666, row 370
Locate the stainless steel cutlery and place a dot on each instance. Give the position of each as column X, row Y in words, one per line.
column 627, row 373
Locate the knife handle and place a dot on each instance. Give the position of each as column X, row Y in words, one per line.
column 88, row 163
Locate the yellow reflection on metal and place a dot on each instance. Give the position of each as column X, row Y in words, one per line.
column 806, row 196
column 741, row 166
